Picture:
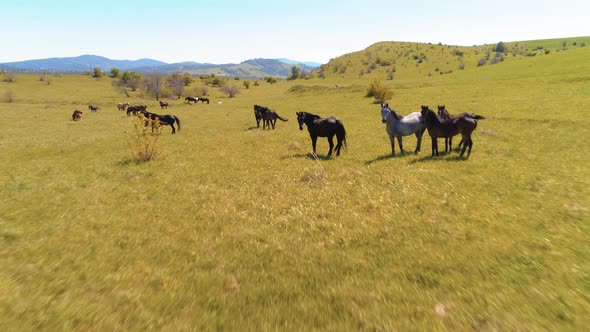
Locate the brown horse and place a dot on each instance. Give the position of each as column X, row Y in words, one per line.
column 163, row 104
column 443, row 114
column 122, row 106
column 448, row 128
column 77, row 115
column 93, row 108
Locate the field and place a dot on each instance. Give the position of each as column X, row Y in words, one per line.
column 239, row 228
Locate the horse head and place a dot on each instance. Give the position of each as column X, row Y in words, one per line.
column 385, row 111
column 300, row 119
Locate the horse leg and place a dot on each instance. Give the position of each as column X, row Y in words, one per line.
column 434, row 146
column 273, row 122
column 419, row 138
column 331, row 142
column 466, row 141
column 401, row 146
column 392, row 139
column 314, row 140
column 173, row 129
column 339, row 145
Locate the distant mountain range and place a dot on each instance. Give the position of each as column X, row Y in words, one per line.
column 254, row 68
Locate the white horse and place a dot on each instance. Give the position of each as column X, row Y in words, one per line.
column 399, row 126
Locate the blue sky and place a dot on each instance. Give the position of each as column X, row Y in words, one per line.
column 232, row 31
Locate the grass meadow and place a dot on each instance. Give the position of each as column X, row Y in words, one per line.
column 238, row 228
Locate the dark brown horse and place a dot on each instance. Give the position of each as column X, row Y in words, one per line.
column 203, row 100
column 136, row 109
column 319, row 127
column 77, row 115
column 269, row 117
column 448, row 128
column 163, row 104
column 189, row 99
column 93, row 108
column 167, row 119
column 443, row 114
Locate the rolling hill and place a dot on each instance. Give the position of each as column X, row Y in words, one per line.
column 253, row 68
column 407, row 60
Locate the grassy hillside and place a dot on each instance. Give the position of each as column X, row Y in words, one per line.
column 239, row 228
column 403, row 60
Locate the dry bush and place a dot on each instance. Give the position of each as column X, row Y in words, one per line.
column 8, row 97
column 144, row 143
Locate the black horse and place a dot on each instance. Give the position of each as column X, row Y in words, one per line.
column 269, row 117
column 136, row 109
column 189, row 99
column 203, row 100
column 167, row 119
column 93, row 108
column 163, row 104
column 319, row 127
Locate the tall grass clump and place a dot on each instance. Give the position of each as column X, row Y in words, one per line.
column 144, row 143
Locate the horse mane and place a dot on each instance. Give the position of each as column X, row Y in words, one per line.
column 393, row 113
column 313, row 116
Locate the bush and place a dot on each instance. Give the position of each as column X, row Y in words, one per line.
column 379, row 91
column 8, row 97
column 144, row 144
column 9, row 77
column 231, row 89
column 500, row 47
column 96, row 72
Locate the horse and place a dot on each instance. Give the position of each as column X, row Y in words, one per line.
column 167, row 119
column 258, row 115
column 77, row 115
column 163, row 104
column 448, row 128
column 122, row 106
column 443, row 114
column 269, row 117
column 136, row 109
column 189, row 99
column 399, row 126
column 203, row 100
column 93, row 108
column 319, row 127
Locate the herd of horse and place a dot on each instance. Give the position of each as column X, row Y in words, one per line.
column 439, row 125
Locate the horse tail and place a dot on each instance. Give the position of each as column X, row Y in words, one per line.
column 282, row 119
column 177, row 121
column 341, row 133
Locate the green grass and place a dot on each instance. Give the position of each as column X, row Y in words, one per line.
column 238, row 228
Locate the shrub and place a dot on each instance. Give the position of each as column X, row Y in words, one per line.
column 115, row 73
column 8, row 97
column 270, row 79
column 96, row 72
column 500, row 47
column 9, row 77
column 231, row 89
column 144, row 143
column 481, row 62
column 379, row 91
column 246, row 85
